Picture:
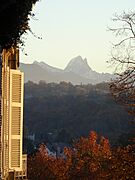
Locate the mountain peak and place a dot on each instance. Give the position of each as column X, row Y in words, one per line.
column 78, row 65
column 76, row 59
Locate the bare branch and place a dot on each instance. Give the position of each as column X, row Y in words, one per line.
column 123, row 55
column 129, row 38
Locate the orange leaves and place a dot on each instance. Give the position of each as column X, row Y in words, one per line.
column 89, row 158
column 91, row 147
column 83, row 160
column 90, row 155
column 105, row 146
column 93, row 138
column 123, row 163
column 68, row 152
column 43, row 150
column 93, row 167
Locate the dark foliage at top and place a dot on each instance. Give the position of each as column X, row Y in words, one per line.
column 14, row 15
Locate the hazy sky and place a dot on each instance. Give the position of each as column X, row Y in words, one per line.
column 73, row 27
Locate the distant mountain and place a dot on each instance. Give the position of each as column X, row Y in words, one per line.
column 77, row 72
column 48, row 67
column 80, row 66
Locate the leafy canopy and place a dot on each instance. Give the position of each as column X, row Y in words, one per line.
column 14, row 16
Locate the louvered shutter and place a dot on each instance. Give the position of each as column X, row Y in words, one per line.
column 16, row 119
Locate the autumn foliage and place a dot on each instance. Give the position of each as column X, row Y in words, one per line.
column 89, row 159
column 123, row 163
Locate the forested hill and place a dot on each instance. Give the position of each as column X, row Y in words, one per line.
column 43, row 89
column 62, row 112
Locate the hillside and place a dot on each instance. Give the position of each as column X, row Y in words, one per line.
column 62, row 112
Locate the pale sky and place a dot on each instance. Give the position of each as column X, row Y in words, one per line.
column 73, row 27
